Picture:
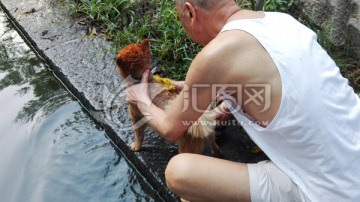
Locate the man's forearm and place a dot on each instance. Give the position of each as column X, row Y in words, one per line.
column 158, row 120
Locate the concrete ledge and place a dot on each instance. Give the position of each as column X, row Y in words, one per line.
column 86, row 67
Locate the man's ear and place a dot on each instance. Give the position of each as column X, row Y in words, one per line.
column 190, row 9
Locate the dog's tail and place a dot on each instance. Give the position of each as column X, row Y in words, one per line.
column 198, row 135
column 205, row 125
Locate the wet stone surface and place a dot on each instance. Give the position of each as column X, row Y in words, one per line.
column 85, row 65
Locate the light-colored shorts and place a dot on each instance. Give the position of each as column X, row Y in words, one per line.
column 269, row 184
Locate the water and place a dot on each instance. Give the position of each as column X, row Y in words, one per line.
column 50, row 149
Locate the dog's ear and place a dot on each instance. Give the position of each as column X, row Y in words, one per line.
column 145, row 47
column 120, row 64
column 119, row 67
column 118, row 61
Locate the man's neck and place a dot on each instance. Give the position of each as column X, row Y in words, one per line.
column 222, row 15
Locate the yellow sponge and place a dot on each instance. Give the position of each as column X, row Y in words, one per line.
column 168, row 85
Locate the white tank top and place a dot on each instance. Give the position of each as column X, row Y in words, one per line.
column 315, row 136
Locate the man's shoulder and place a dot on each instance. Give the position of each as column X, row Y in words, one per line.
column 227, row 42
column 217, row 62
column 226, row 48
column 235, row 55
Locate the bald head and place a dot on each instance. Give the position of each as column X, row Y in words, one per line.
column 203, row 19
column 205, row 4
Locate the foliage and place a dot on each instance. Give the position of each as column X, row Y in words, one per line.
column 110, row 13
column 269, row 5
column 278, row 5
column 245, row 4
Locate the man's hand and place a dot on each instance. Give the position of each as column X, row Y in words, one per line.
column 139, row 93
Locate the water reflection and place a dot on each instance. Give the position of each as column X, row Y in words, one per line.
column 21, row 68
column 50, row 150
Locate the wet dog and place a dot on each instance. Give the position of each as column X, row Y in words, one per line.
column 132, row 61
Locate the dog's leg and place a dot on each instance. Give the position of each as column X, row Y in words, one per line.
column 139, row 138
column 136, row 116
column 181, row 145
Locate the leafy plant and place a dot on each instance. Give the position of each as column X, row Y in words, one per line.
column 245, row 4
column 278, row 5
column 107, row 14
column 268, row 5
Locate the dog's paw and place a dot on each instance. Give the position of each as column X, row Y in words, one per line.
column 135, row 146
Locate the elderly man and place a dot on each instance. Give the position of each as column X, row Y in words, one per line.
column 307, row 120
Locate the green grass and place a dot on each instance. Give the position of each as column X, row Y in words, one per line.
column 130, row 21
column 278, row 5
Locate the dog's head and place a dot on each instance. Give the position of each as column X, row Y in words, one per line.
column 134, row 59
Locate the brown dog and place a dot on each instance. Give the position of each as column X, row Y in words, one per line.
column 132, row 61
